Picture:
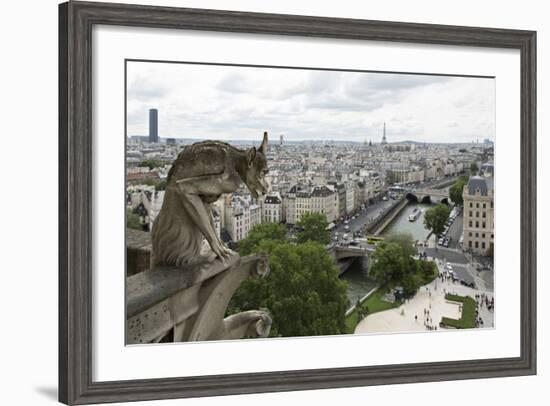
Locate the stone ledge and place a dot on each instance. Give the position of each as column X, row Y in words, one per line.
column 145, row 289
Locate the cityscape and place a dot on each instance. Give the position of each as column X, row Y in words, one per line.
column 432, row 200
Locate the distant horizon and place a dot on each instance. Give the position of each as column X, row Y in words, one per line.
column 275, row 140
column 228, row 102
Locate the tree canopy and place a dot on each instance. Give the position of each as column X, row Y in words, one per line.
column 473, row 168
column 151, row 163
column 259, row 233
column 392, row 259
column 392, row 264
column 455, row 192
column 302, row 292
column 159, row 184
column 436, row 217
column 132, row 220
column 314, row 228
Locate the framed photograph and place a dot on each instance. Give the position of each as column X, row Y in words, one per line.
column 258, row 202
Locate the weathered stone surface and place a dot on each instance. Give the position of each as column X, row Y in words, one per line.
column 153, row 323
column 215, row 295
column 191, row 303
column 145, row 289
column 199, row 176
column 138, row 251
column 186, row 292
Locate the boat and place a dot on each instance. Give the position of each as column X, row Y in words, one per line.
column 415, row 214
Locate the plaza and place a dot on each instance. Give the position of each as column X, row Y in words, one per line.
column 426, row 308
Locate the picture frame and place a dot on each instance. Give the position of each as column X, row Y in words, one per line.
column 76, row 20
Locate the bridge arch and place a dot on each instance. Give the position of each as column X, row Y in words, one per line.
column 419, row 198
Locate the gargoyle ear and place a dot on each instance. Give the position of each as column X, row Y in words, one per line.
column 250, row 156
column 263, row 147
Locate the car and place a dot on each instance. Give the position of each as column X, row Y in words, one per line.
column 440, row 241
column 449, row 268
column 446, row 242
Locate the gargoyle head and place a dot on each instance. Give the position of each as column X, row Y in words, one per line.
column 257, row 170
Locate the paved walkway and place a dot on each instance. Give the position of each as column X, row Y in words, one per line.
column 430, row 298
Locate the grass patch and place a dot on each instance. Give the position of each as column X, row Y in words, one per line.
column 468, row 318
column 375, row 303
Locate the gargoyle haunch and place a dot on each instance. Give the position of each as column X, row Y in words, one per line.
column 201, row 173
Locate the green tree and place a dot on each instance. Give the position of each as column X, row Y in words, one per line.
column 436, row 217
column 151, row 163
column 473, row 168
column 405, row 241
column 159, row 184
column 411, row 282
column 259, row 233
column 455, row 192
column 388, row 264
column 314, row 227
column 132, row 220
column 302, row 292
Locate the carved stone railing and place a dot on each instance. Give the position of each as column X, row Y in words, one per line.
column 189, row 304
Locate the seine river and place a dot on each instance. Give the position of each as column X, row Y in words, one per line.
column 359, row 284
column 401, row 224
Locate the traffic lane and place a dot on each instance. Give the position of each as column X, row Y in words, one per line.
column 447, row 254
column 455, row 232
column 462, row 273
column 371, row 213
column 488, row 278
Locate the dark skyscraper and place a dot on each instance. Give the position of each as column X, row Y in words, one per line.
column 153, row 125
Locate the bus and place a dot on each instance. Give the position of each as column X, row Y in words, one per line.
column 371, row 239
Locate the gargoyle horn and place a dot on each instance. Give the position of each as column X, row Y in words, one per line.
column 263, row 147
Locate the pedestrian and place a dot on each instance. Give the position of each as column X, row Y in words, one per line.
column 415, row 317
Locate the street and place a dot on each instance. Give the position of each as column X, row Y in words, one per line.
column 363, row 217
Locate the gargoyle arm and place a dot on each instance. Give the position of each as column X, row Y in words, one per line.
column 190, row 192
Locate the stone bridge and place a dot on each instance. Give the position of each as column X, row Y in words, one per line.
column 344, row 256
column 429, row 195
column 343, row 252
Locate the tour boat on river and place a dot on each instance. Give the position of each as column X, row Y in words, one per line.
column 415, row 214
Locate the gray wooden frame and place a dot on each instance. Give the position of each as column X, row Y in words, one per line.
column 76, row 20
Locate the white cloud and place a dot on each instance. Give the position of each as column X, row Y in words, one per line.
column 230, row 102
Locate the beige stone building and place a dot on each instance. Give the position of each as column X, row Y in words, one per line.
column 304, row 199
column 478, row 225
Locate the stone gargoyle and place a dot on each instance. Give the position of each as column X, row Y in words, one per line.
column 201, row 173
column 185, row 293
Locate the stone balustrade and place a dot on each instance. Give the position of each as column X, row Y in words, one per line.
column 169, row 304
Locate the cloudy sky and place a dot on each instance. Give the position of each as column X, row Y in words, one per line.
column 230, row 102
